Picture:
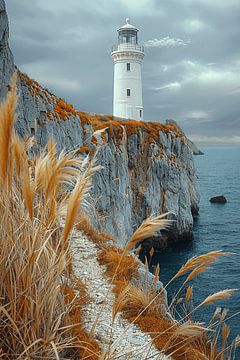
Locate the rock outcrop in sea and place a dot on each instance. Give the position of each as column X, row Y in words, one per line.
column 219, row 199
column 148, row 168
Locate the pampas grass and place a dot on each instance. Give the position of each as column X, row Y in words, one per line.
column 133, row 301
column 35, row 321
column 77, row 197
column 7, row 119
column 189, row 293
column 190, row 330
column 147, row 229
column 220, row 295
column 204, row 259
column 183, row 338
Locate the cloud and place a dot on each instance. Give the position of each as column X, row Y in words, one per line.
column 224, row 79
column 197, row 114
column 235, row 91
column 167, row 42
column 194, row 25
column 215, row 140
column 48, row 76
column 218, row 75
column 172, row 86
column 102, row 7
column 80, row 35
column 214, row 3
column 138, row 7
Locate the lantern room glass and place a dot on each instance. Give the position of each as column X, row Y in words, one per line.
column 128, row 37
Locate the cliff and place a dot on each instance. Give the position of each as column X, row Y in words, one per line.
column 148, row 167
column 194, row 148
column 6, row 58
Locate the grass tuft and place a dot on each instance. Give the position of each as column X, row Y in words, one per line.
column 147, row 229
column 181, row 339
column 95, row 236
column 37, row 321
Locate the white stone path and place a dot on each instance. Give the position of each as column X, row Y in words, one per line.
column 121, row 340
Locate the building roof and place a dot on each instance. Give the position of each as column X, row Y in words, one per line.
column 128, row 26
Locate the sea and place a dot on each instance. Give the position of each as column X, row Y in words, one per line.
column 216, row 228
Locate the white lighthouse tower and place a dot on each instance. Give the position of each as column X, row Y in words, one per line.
column 127, row 57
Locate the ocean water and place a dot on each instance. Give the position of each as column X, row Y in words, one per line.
column 217, row 228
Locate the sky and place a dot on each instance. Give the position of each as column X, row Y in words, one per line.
column 191, row 69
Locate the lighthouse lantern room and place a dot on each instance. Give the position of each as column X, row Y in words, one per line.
column 127, row 57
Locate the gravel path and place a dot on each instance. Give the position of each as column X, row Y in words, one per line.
column 120, row 339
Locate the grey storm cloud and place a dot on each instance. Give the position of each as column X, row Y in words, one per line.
column 191, row 70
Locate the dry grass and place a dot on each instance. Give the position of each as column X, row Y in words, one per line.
column 183, row 339
column 76, row 297
column 94, row 235
column 147, row 229
column 134, row 301
column 220, row 295
column 85, row 149
column 204, row 259
column 35, row 320
column 118, row 266
column 116, row 128
column 76, row 198
column 64, row 110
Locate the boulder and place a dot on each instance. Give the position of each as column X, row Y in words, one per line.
column 220, row 199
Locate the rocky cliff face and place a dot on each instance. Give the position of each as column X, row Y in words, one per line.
column 147, row 167
column 141, row 178
column 6, row 58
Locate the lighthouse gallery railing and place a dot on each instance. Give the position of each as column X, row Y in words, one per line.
column 126, row 46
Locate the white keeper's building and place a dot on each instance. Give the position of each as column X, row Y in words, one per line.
column 127, row 57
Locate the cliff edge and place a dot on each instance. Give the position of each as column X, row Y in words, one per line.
column 148, row 167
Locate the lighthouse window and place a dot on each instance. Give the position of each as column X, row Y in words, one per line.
column 128, row 36
column 128, row 67
column 140, row 113
column 128, row 92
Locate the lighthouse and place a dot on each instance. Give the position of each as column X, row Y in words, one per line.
column 127, row 58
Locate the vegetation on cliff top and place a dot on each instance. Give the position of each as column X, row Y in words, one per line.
column 63, row 110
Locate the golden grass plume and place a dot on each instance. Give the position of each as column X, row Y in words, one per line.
column 204, row 259
column 7, row 119
column 188, row 329
column 220, row 295
column 34, row 318
column 134, row 300
column 147, row 229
